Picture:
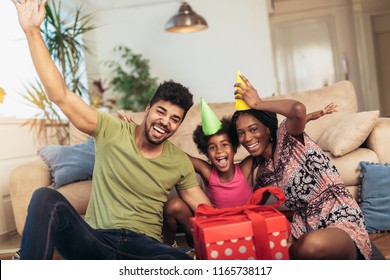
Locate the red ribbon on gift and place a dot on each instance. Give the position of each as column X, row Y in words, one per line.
column 250, row 210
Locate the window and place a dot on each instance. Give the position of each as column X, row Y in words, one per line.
column 16, row 66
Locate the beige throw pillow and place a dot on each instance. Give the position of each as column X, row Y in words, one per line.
column 348, row 133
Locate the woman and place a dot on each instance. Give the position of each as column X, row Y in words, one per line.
column 327, row 222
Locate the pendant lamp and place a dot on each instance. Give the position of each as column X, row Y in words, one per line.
column 186, row 20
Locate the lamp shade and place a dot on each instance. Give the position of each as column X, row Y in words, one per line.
column 186, row 20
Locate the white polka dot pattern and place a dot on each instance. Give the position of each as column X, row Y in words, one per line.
column 214, row 254
column 228, row 252
column 244, row 248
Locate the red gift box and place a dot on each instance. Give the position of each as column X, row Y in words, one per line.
column 247, row 232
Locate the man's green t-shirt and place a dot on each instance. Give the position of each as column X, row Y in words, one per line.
column 128, row 190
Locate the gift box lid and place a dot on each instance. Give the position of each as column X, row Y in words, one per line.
column 235, row 227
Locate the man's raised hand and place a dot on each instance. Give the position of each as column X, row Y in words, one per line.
column 31, row 13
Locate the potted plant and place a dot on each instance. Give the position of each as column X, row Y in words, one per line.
column 132, row 79
column 48, row 122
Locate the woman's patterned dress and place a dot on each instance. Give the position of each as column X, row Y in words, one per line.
column 313, row 188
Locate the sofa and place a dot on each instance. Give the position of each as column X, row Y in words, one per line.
column 347, row 136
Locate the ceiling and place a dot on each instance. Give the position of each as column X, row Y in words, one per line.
column 104, row 4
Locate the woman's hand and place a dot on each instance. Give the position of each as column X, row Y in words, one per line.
column 247, row 93
column 122, row 116
column 329, row 109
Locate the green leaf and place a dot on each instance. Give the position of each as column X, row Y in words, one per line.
column 132, row 79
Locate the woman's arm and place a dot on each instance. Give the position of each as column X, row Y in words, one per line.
column 247, row 168
column 329, row 109
column 294, row 111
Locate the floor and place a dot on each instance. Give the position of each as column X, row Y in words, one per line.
column 382, row 242
column 7, row 249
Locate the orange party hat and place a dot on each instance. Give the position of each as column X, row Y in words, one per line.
column 210, row 122
column 240, row 104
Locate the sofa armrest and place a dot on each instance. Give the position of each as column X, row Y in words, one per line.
column 27, row 178
column 378, row 140
column 24, row 180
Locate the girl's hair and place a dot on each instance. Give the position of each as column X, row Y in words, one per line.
column 269, row 119
column 201, row 140
column 175, row 93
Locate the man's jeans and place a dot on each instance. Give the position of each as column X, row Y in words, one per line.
column 53, row 223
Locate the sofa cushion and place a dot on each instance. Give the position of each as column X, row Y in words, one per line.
column 342, row 93
column 376, row 141
column 348, row 133
column 78, row 194
column 348, row 165
column 69, row 164
column 375, row 196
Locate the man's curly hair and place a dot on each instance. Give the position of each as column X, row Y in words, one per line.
column 175, row 93
column 201, row 140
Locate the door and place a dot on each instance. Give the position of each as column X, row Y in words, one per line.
column 305, row 53
column 381, row 32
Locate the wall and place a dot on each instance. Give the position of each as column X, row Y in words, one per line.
column 238, row 38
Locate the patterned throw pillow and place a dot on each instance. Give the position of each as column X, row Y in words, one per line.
column 375, row 196
column 69, row 164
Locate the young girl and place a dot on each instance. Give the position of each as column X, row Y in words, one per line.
column 327, row 221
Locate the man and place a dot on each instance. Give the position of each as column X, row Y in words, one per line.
column 135, row 169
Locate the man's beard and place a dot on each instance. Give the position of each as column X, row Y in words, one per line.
column 149, row 138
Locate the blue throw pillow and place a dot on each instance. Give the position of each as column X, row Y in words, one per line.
column 375, row 196
column 69, row 164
